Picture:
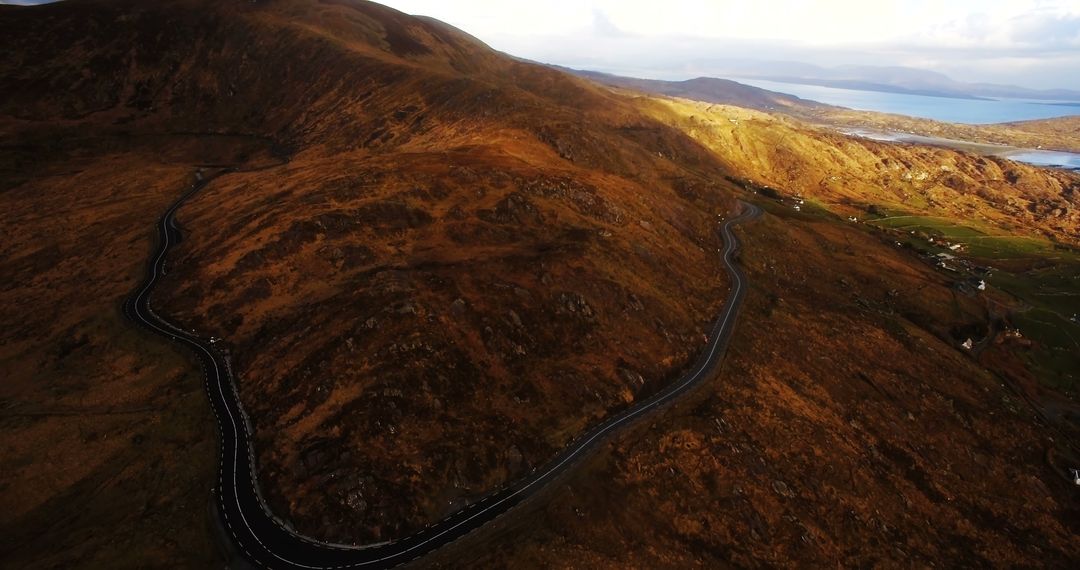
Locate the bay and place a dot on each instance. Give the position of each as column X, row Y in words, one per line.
column 969, row 111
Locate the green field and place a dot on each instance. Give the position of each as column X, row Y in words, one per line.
column 1044, row 278
column 978, row 241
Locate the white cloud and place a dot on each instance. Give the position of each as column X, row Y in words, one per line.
column 1032, row 42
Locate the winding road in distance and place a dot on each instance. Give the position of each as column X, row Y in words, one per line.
column 266, row 542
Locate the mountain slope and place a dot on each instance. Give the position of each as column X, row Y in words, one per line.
column 464, row 261
column 709, row 89
column 432, row 265
column 853, row 173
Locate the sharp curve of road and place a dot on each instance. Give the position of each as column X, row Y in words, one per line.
column 266, row 542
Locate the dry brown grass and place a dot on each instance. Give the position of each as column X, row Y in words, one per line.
column 464, row 261
column 845, row 427
column 106, row 437
column 850, row 174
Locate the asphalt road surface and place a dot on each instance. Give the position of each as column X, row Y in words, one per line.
column 266, row 542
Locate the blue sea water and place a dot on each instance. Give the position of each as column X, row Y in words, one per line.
column 970, row 111
column 1067, row 160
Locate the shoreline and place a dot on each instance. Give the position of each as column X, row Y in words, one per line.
column 1034, row 156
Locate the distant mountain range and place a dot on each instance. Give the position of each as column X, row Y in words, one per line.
column 890, row 79
column 708, row 89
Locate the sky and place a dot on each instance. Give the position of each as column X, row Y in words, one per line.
column 1032, row 43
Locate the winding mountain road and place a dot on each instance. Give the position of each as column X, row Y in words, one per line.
column 267, row 542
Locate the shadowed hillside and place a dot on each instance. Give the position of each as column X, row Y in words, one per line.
column 463, row 261
column 432, row 266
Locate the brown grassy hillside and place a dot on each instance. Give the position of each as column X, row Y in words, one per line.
column 853, row 174
column 846, row 428
column 432, row 265
column 106, row 437
column 464, row 261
